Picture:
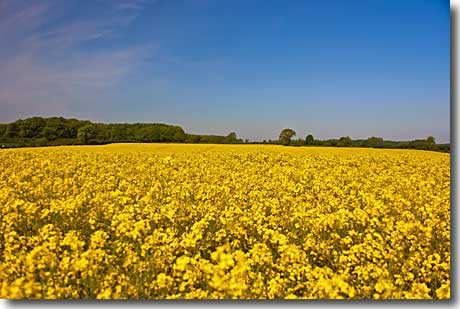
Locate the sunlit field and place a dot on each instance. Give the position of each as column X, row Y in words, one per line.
column 156, row 221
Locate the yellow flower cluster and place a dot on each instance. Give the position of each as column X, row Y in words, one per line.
column 159, row 221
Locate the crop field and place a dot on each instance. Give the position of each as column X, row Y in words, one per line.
column 160, row 221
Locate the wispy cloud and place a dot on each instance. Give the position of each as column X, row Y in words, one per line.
column 44, row 64
column 134, row 4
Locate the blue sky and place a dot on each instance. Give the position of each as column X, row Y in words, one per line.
column 327, row 68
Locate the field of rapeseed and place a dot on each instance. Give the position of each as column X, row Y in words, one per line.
column 157, row 221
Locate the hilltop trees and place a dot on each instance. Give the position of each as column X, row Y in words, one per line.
column 38, row 131
column 87, row 134
column 2, row 129
column 12, row 130
column 32, row 128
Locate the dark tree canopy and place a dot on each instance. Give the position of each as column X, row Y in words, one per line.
column 231, row 138
column 375, row 142
column 430, row 140
column 344, row 141
column 309, row 140
column 286, row 135
column 39, row 131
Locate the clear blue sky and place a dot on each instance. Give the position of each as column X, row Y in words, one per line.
column 327, row 68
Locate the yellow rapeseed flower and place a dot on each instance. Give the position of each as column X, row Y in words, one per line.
column 169, row 221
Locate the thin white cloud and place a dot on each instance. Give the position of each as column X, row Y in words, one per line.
column 43, row 68
column 133, row 4
column 131, row 9
column 71, row 34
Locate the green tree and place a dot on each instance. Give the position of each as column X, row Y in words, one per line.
column 118, row 132
column 309, row 140
column 331, row 142
column 374, row 142
column 193, row 138
column 50, row 133
column 12, row 130
column 431, row 142
column 298, row 142
column 2, row 129
column 286, row 135
column 179, row 135
column 345, row 141
column 55, row 128
column 231, row 138
column 72, row 126
column 87, row 134
column 32, row 127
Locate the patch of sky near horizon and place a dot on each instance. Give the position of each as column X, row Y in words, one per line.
column 335, row 68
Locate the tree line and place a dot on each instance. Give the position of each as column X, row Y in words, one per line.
column 38, row 131
column 429, row 143
column 53, row 131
